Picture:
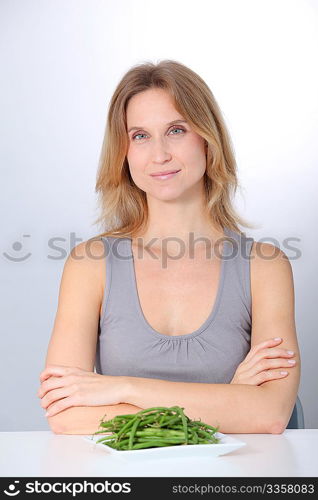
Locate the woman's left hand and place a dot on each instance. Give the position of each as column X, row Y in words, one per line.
column 65, row 386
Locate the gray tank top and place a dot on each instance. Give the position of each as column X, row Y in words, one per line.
column 128, row 346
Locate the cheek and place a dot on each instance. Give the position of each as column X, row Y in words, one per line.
column 136, row 165
column 193, row 145
column 194, row 158
column 136, row 159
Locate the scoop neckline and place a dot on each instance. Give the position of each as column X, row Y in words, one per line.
column 211, row 317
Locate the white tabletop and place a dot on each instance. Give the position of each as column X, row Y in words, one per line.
column 45, row 454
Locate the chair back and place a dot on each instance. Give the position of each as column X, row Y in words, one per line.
column 296, row 420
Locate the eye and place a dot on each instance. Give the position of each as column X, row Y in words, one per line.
column 178, row 128
column 174, row 128
column 134, row 136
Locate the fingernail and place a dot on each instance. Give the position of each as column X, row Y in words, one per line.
column 290, row 352
column 277, row 338
column 291, row 361
column 47, row 414
column 283, row 373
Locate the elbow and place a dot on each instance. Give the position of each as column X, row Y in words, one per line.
column 277, row 424
column 56, row 425
column 277, row 427
column 265, row 426
column 277, row 414
column 271, row 423
column 278, row 421
column 72, row 421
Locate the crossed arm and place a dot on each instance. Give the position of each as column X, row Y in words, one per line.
column 258, row 400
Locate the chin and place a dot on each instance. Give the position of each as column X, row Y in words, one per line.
column 166, row 198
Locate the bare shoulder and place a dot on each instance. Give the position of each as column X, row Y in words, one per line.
column 89, row 255
column 267, row 258
column 269, row 264
column 91, row 250
column 267, row 251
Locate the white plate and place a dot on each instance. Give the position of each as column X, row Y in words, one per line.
column 226, row 445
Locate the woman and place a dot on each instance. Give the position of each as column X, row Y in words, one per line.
column 172, row 304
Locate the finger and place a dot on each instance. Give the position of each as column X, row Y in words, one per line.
column 61, row 405
column 268, row 375
column 275, row 352
column 56, row 370
column 52, row 383
column 269, row 364
column 267, row 343
column 51, row 370
column 55, row 395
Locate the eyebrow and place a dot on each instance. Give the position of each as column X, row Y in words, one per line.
column 170, row 123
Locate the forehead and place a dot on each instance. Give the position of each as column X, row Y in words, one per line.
column 151, row 104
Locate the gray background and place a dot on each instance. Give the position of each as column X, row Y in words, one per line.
column 60, row 62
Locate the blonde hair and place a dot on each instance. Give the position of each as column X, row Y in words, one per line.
column 122, row 204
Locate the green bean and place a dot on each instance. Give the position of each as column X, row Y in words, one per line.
column 185, row 424
column 151, row 444
column 101, row 432
column 132, row 432
column 195, row 436
column 115, row 446
column 162, row 419
column 123, row 417
column 105, row 440
column 202, row 424
column 161, row 432
column 156, row 408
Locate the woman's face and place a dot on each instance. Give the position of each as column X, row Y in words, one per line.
column 155, row 146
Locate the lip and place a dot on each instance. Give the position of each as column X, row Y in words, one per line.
column 163, row 174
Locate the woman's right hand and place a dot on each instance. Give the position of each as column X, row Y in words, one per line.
column 265, row 361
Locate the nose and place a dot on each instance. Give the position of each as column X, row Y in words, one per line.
column 160, row 152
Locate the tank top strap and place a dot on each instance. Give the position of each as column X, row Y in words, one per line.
column 117, row 292
column 239, row 272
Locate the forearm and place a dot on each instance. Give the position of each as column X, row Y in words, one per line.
column 234, row 408
column 86, row 419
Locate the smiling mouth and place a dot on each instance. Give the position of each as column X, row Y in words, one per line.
column 165, row 175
